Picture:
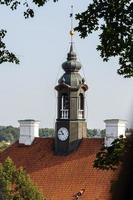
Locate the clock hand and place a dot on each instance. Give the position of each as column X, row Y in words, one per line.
column 62, row 132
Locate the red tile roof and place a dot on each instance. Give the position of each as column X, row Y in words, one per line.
column 60, row 177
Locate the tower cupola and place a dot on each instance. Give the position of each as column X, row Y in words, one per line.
column 71, row 65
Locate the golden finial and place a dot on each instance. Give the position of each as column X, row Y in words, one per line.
column 72, row 30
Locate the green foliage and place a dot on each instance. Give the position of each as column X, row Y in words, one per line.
column 103, row 133
column 95, row 132
column 42, row 2
column 5, row 55
column 9, row 133
column 15, row 184
column 46, row 132
column 29, row 12
column 110, row 157
column 3, row 145
column 115, row 21
column 92, row 132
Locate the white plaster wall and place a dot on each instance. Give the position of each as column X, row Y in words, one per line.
column 121, row 129
column 111, row 130
column 28, row 131
column 114, row 128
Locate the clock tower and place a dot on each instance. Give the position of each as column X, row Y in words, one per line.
column 70, row 125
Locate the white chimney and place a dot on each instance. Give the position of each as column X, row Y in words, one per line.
column 114, row 128
column 29, row 129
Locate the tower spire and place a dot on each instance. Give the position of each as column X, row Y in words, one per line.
column 71, row 54
column 71, row 30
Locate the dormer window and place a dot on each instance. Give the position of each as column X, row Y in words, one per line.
column 81, row 106
column 64, row 111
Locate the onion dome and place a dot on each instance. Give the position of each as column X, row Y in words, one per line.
column 71, row 65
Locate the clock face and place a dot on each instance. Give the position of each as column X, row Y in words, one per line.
column 63, row 134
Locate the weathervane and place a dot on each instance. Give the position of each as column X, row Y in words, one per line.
column 72, row 30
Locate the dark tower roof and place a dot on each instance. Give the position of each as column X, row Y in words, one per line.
column 71, row 65
column 71, row 77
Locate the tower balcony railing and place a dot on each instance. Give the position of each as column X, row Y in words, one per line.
column 64, row 113
column 80, row 114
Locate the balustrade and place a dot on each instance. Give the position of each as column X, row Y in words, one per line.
column 64, row 113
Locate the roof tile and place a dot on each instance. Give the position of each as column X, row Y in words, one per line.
column 60, row 177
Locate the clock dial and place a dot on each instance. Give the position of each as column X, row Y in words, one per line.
column 63, row 134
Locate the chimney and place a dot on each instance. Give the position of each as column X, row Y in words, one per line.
column 114, row 128
column 29, row 129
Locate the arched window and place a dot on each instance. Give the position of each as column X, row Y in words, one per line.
column 64, row 102
column 81, row 106
column 81, row 101
column 64, row 106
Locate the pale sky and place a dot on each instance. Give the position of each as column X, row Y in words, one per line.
column 27, row 90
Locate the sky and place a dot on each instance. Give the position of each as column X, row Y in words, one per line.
column 41, row 43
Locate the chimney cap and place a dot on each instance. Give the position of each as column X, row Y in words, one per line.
column 28, row 120
column 115, row 120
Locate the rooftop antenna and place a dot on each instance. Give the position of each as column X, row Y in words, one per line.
column 72, row 30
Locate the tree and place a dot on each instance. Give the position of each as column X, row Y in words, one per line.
column 92, row 132
column 110, row 157
column 3, row 146
column 103, row 133
column 15, row 184
column 46, row 132
column 114, row 19
column 9, row 134
column 6, row 55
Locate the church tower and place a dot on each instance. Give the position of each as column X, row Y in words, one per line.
column 70, row 125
